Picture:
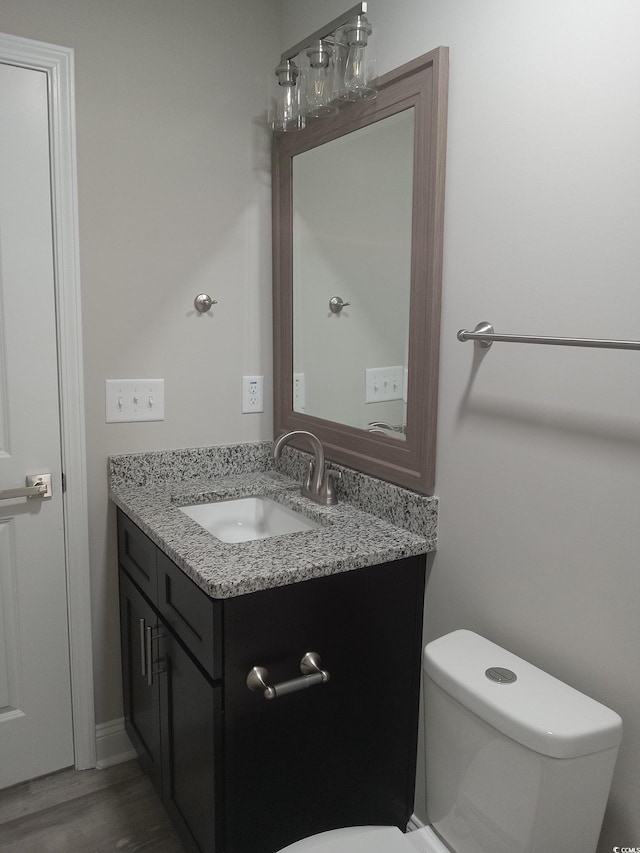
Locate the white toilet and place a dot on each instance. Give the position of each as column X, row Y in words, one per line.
column 517, row 761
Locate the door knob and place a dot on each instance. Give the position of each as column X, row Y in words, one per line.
column 37, row 486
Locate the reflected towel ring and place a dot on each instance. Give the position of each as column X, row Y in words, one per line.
column 336, row 304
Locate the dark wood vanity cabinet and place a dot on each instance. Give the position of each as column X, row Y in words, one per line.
column 244, row 774
column 173, row 715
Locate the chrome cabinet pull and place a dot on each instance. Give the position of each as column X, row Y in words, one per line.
column 146, row 640
column 310, row 666
column 143, row 648
column 37, row 486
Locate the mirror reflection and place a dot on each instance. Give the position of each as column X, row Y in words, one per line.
column 352, row 226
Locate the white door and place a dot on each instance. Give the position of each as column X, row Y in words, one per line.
column 36, row 735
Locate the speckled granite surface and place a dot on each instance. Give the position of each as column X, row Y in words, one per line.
column 374, row 522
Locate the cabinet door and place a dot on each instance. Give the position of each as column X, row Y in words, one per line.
column 338, row 753
column 137, row 555
column 191, row 709
column 141, row 698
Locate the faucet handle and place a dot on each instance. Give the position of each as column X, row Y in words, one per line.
column 331, row 474
column 308, row 476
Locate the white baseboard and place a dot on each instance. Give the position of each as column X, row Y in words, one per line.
column 112, row 744
column 414, row 823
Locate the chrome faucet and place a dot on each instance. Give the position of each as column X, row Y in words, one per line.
column 318, row 482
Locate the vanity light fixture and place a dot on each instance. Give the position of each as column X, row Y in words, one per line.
column 319, row 81
column 355, row 85
column 331, row 65
column 287, row 113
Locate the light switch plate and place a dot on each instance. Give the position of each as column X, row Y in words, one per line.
column 129, row 400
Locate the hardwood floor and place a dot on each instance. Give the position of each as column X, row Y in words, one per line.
column 91, row 811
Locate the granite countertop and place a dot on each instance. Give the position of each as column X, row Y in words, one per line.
column 348, row 537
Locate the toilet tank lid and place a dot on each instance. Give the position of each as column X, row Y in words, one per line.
column 536, row 709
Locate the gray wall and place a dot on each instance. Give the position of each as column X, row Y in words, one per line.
column 538, row 466
column 174, row 199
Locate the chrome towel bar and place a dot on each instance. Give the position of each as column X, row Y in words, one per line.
column 310, row 666
column 484, row 335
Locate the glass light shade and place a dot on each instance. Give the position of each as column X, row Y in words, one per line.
column 319, row 80
column 356, row 72
column 287, row 115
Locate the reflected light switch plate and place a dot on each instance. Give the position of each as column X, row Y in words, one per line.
column 384, row 383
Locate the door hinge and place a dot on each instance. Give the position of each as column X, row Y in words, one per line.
column 64, row 483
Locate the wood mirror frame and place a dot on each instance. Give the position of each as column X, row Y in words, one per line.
column 422, row 85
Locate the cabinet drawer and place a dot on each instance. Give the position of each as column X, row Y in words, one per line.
column 194, row 617
column 137, row 556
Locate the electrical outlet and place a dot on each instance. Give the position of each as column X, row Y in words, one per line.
column 128, row 400
column 252, row 394
column 299, row 403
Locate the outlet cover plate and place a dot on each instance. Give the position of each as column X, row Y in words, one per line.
column 252, row 394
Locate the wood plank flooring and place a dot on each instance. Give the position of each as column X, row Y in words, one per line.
column 91, row 811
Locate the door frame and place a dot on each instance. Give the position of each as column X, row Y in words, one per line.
column 58, row 64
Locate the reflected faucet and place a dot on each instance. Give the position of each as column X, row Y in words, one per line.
column 318, row 482
column 379, row 426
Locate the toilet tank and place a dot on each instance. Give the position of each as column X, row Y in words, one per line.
column 517, row 761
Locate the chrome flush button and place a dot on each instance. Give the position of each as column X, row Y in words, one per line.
column 501, row 675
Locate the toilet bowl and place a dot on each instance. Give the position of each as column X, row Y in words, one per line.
column 516, row 760
column 369, row 839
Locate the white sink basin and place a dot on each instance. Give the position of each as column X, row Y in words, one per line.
column 244, row 519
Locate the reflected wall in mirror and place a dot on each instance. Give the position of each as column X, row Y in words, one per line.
column 358, row 216
column 352, row 238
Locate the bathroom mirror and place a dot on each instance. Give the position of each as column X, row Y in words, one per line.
column 358, row 204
